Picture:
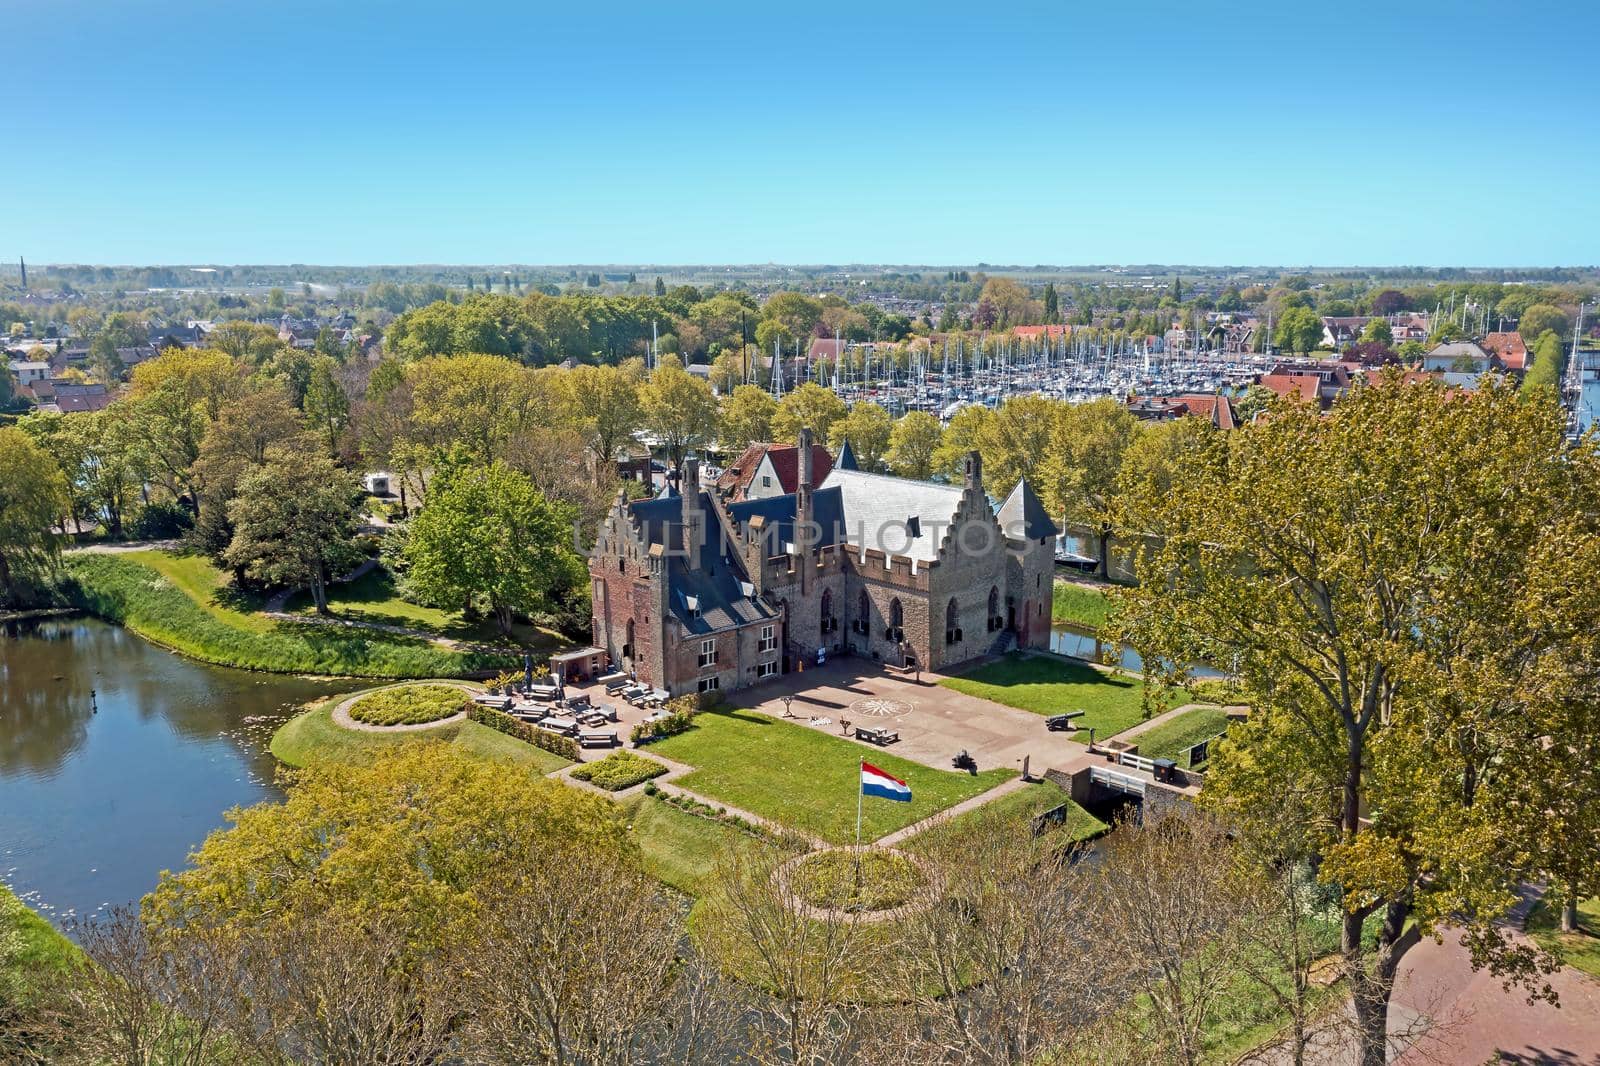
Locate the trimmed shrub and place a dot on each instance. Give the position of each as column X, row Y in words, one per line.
column 619, row 770
column 408, row 705
column 554, row 743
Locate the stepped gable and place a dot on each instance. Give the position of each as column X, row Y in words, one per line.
column 1024, row 513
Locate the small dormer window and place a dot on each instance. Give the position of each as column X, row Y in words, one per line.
column 914, row 526
column 766, row 482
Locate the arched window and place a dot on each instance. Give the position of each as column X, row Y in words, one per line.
column 994, row 609
column 896, row 620
column 622, row 565
column 627, row 645
column 863, row 613
column 952, row 622
column 829, row 623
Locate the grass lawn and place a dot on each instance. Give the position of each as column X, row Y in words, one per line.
column 1046, row 684
column 1580, row 950
column 185, row 603
column 1082, row 605
column 806, row 779
column 1171, row 738
column 372, row 597
column 680, row 849
column 30, row 948
column 312, row 737
column 1012, row 813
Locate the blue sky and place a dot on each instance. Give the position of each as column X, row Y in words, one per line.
column 486, row 132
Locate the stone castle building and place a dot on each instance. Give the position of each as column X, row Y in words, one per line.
column 712, row 589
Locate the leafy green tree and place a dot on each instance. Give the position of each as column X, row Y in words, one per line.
column 604, row 402
column 960, row 437
column 1549, row 357
column 33, row 497
column 1377, row 332
column 747, row 417
column 1085, row 458
column 811, row 407
column 913, row 444
column 474, row 402
column 1381, row 578
column 294, row 522
column 1015, row 442
column 236, row 443
column 867, row 427
column 1052, row 302
column 1541, row 317
column 246, row 342
column 1298, row 330
column 488, row 533
column 176, row 397
column 326, row 405
column 679, row 409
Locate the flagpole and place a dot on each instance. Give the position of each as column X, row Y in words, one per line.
column 858, row 804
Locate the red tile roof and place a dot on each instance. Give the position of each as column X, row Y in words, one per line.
column 1508, row 348
column 1043, row 331
column 785, row 458
column 1306, row 387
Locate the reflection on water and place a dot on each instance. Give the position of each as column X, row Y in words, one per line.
column 1083, row 644
column 117, row 758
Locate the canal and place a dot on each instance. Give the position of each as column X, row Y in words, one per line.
column 1082, row 643
column 117, row 758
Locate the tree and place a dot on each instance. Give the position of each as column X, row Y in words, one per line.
column 1549, row 356
column 176, row 396
column 747, row 417
column 33, row 498
column 1389, row 301
column 1015, row 442
column 679, row 409
column 1539, row 318
column 1158, row 455
column 473, row 402
column 236, row 443
column 808, row 407
column 1298, row 330
column 1080, row 473
column 605, row 404
column 1366, row 574
column 867, row 427
column 246, row 342
column 1377, row 332
column 960, row 437
column 1052, row 302
column 1011, row 303
column 326, row 405
column 294, row 522
column 913, row 444
column 487, row 532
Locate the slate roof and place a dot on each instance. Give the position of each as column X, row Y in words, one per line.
column 827, row 511
column 847, row 458
column 709, row 598
column 73, row 399
column 877, row 510
column 1024, row 513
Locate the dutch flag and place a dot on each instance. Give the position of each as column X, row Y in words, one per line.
column 874, row 782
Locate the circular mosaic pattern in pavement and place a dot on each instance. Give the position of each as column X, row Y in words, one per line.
column 879, row 707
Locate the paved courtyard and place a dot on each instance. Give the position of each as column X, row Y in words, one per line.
column 934, row 722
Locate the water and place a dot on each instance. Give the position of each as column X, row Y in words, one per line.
column 94, row 805
column 1082, row 643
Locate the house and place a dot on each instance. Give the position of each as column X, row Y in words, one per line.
column 1217, row 409
column 826, row 348
column 1341, row 331
column 78, row 398
column 770, row 470
column 696, row 590
column 1508, row 350
column 1409, row 326
column 1303, row 388
column 28, row 371
column 1459, row 356
column 1042, row 332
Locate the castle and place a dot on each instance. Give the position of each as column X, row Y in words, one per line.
column 698, row 590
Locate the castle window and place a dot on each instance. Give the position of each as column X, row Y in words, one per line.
column 896, row 621
column 769, row 638
column 708, row 654
column 952, row 619
column 622, row 565
column 768, row 669
column 706, row 684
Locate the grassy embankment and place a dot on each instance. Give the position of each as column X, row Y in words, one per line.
column 1079, row 605
column 1047, row 684
column 33, row 959
column 372, row 597
column 312, row 737
column 1177, row 734
column 184, row 603
column 805, row 779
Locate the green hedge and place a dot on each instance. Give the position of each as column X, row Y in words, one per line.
column 554, row 743
column 619, row 770
column 129, row 593
column 670, row 726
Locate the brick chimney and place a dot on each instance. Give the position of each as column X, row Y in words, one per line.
column 694, row 528
column 803, row 535
column 974, row 471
